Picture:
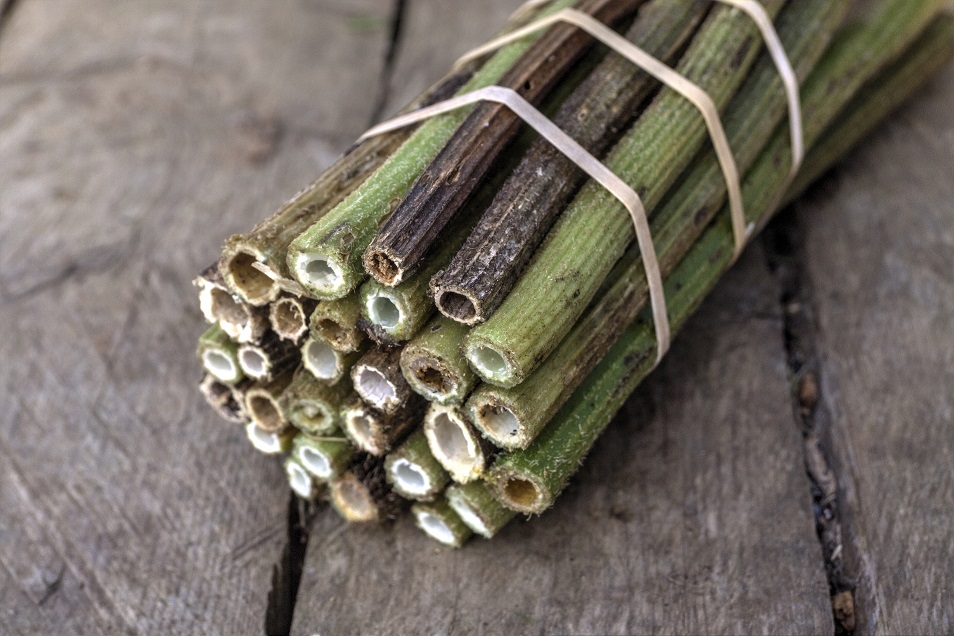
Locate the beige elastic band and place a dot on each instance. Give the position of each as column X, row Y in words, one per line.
column 285, row 284
column 587, row 162
column 690, row 91
column 596, row 169
column 668, row 76
column 785, row 71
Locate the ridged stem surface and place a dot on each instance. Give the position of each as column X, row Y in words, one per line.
column 595, row 230
column 326, row 258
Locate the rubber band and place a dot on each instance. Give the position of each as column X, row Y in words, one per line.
column 668, row 76
column 582, row 158
column 789, row 80
column 598, row 170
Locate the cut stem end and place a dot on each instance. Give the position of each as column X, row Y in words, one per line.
column 457, row 306
column 248, row 282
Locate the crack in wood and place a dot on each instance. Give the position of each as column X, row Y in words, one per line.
column 390, row 59
column 286, row 574
column 785, row 253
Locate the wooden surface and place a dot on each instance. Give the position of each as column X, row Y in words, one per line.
column 135, row 139
column 880, row 235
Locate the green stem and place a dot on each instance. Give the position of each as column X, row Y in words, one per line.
column 433, row 364
column 325, row 457
column 312, row 406
column 326, row 258
column 325, row 363
column 219, row 355
column 595, row 230
column 268, row 242
column 931, row 53
column 512, row 417
column 529, row 480
column 441, row 191
column 477, row 507
column 262, row 403
column 441, row 523
column 475, row 283
column 336, row 321
column 412, row 470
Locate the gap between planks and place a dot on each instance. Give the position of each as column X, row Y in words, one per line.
column 286, row 574
column 390, row 58
column 849, row 583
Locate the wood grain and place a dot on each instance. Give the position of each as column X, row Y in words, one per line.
column 135, row 139
column 433, row 35
column 880, row 248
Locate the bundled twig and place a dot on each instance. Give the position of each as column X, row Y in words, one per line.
column 542, row 262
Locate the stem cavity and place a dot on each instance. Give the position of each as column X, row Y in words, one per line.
column 324, row 457
column 220, row 355
column 299, row 479
column 268, row 359
column 324, row 362
column 490, row 364
column 454, row 443
column 441, row 523
column 433, row 365
column 413, row 471
column 335, row 322
column 457, row 305
column 361, row 494
column 248, row 282
column 377, row 379
column 477, row 507
column 321, row 275
column 269, row 442
column 377, row 432
column 289, row 317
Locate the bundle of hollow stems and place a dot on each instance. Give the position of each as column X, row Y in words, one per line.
column 450, row 315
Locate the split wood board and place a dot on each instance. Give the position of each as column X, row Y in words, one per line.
column 140, row 141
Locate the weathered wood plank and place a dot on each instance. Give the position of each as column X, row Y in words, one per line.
column 692, row 515
column 433, row 35
column 880, row 254
column 135, row 139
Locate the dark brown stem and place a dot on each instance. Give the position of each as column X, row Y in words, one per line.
column 442, row 189
column 263, row 406
column 227, row 401
column 486, row 267
column 377, row 378
column 362, row 494
column 376, row 432
column 289, row 317
column 269, row 358
column 268, row 242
